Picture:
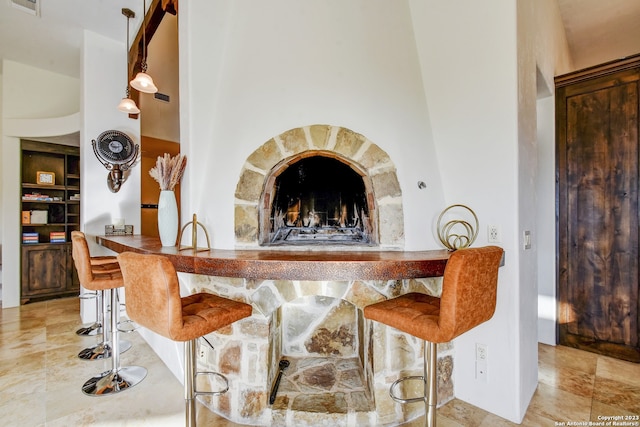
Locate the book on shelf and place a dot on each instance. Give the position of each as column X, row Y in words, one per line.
column 37, row 197
column 75, row 196
column 57, row 237
column 29, row 237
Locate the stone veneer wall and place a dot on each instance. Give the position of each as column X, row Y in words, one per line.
column 342, row 142
column 247, row 351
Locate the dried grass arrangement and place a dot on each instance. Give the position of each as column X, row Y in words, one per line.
column 168, row 170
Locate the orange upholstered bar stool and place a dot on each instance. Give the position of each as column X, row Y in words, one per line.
column 99, row 267
column 105, row 278
column 469, row 289
column 152, row 292
column 102, row 263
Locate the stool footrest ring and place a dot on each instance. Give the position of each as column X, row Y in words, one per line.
column 88, row 295
column 402, row 400
column 128, row 326
column 213, row 393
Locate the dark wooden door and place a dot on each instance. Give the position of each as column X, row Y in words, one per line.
column 44, row 270
column 598, row 179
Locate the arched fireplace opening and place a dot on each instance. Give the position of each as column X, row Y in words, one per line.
column 318, row 198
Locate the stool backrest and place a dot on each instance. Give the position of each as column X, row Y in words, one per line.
column 152, row 292
column 81, row 257
column 469, row 289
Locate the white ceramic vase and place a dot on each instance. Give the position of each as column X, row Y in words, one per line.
column 167, row 218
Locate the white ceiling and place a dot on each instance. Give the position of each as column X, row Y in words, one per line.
column 53, row 40
column 597, row 30
column 601, row 30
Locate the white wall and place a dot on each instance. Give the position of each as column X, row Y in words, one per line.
column 32, row 100
column 103, row 79
column 468, row 56
column 1, row 145
column 552, row 58
column 251, row 71
column 479, row 64
column 546, row 222
column 527, row 165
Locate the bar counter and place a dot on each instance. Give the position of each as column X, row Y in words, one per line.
column 307, row 304
column 268, row 264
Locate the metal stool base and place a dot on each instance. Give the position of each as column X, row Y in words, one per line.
column 429, row 381
column 102, row 351
column 190, row 374
column 91, row 330
column 111, row 382
column 96, row 327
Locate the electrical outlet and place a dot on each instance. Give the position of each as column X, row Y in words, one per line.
column 202, row 354
column 482, row 356
column 493, row 234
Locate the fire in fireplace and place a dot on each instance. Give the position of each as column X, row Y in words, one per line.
column 319, row 186
column 319, row 199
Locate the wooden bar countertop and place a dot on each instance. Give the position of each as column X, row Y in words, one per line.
column 269, row 264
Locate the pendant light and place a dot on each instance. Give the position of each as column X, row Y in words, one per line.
column 143, row 81
column 128, row 105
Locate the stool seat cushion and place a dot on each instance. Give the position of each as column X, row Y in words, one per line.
column 469, row 290
column 414, row 313
column 152, row 293
column 203, row 313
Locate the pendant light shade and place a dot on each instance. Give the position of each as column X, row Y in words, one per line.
column 128, row 105
column 143, row 81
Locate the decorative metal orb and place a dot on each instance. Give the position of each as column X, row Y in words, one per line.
column 457, row 233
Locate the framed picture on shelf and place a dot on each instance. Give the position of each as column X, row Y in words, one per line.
column 45, row 178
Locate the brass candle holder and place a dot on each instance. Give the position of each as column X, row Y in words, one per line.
column 194, row 236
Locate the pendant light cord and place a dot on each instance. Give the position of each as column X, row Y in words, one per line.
column 144, row 36
column 126, row 48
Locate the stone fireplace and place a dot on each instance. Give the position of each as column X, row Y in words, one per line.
column 367, row 197
column 341, row 366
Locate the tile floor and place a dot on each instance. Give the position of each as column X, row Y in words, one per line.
column 41, row 378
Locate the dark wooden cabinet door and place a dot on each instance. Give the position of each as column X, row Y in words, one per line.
column 44, row 270
column 598, row 238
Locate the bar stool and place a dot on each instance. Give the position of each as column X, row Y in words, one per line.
column 105, row 279
column 469, row 289
column 96, row 327
column 99, row 265
column 152, row 292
